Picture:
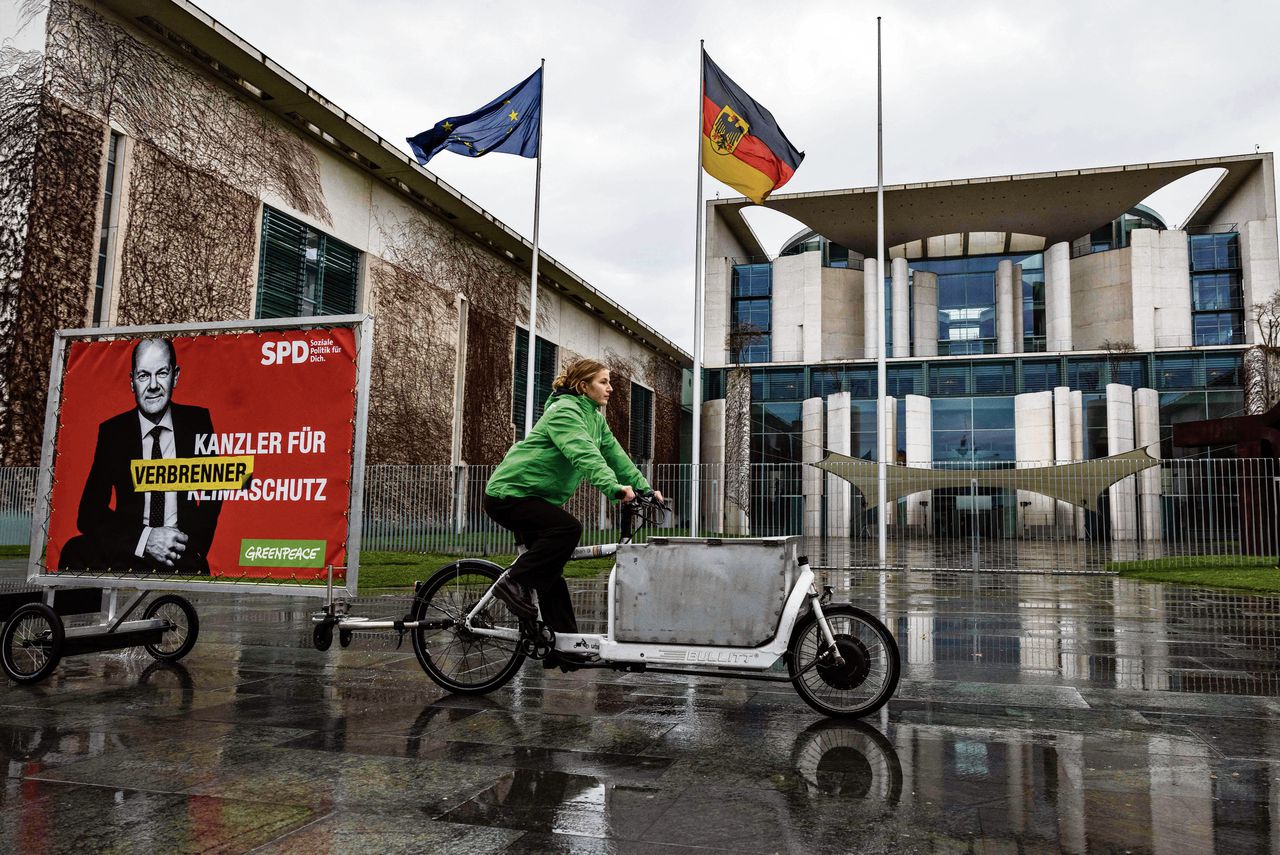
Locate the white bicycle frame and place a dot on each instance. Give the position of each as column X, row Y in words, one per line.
column 665, row 657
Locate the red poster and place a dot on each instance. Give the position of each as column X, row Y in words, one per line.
column 225, row 455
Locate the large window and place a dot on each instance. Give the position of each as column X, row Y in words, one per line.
column 777, row 433
column 304, row 272
column 641, row 434
column 544, row 375
column 106, row 235
column 751, row 313
column 973, row 431
column 1217, row 299
column 967, row 301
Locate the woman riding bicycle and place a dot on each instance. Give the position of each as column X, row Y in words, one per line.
column 540, row 473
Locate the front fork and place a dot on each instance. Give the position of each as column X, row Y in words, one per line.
column 816, row 601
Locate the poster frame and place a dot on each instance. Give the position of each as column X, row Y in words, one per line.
column 361, row 324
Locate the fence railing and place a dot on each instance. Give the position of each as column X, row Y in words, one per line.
column 938, row 517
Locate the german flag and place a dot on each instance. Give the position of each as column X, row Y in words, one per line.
column 742, row 145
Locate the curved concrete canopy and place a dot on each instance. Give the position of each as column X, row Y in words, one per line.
column 1060, row 206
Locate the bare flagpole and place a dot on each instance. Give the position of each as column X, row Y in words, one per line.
column 696, row 449
column 882, row 415
column 533, row 277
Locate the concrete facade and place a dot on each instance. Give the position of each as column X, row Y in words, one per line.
column 919, row 430
column 1057, row 298
column 1004, row 308
column 901, row 311
column 1146, row 426
column 1120, row 436
column 839, row 491
column 1161, row 299
column 871, row 330
column 1033, row 425
column 199, row 159
column 812, row 418
column 924, row 301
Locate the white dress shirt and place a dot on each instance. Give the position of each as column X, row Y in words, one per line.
column 168, row 451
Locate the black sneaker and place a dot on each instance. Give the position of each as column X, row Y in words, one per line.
column 516, row 597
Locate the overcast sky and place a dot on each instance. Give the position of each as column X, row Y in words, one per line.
column 970, row 89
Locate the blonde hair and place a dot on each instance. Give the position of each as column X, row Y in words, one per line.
column 578, row 373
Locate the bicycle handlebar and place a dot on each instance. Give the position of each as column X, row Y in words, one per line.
column 636, row 508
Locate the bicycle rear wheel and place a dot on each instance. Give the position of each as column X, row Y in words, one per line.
column 869, row 675
column 455, row 658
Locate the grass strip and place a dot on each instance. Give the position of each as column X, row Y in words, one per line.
column 389, row 570
column 382, row 570
column 1257, row 574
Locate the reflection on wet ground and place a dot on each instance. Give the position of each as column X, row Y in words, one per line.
column 1036, row 714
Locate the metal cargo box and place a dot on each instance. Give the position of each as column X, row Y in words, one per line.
column 691, row 590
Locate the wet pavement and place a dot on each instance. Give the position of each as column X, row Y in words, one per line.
column 1036, row 714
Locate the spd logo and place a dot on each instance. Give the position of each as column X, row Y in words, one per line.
column 280, row 352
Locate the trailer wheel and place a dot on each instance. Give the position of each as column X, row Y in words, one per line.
column 322, row 636
column 31, row 643
column 184, row 627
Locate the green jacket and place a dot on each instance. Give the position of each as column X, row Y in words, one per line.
column 570, row 442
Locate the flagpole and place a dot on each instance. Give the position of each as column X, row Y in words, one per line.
column 696, row 449
column 882, row 415
column 533, row 276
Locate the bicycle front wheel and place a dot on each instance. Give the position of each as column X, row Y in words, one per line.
column 869, row 675
column 453, row 656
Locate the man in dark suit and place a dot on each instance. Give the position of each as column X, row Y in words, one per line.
column 153, row 530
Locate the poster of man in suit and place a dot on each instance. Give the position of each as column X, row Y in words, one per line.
column 126, row 529
column 219, row 455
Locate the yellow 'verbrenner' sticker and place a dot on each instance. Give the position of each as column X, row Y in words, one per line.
column 191, row 473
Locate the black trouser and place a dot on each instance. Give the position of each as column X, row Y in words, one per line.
column 550, row 534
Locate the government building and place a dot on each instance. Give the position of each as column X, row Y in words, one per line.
column 157, row 168
column 1029, row 320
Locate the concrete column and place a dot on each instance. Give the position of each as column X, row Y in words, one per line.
column 1124, row 511
column 712, row 481
column 1064, row 514
column 1033, row 444
column 889, row 450
column 889, row 442
column 1004, row 307
column 1259, row 258
column 839, row 439
column 811, row 477
column 919, row 415
column 1077, row 448
column 924, row 299
column 901, row 308
column 1057, row 296
column 871, row 330
column 1146, row 428
column 1019, row 334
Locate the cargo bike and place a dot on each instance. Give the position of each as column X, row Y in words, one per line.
column 744, row 608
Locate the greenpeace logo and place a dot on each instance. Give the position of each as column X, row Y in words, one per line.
column 282, row 553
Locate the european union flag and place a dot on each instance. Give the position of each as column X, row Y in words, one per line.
column 508, row 123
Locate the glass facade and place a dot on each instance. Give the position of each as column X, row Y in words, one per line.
column 972, row 400
column 973, row 432
column 751, row 313
column 967, row 301
column 1217, row 298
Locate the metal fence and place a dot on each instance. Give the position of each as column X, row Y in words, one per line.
column 1177, row 511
